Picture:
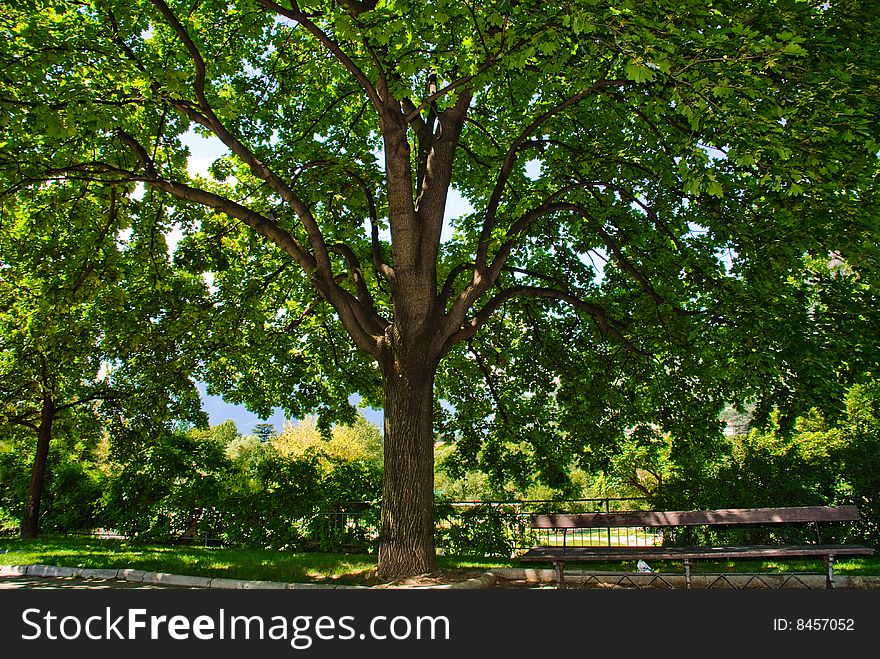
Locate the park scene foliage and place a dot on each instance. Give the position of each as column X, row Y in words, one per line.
column 298, row 491
column 559, row 244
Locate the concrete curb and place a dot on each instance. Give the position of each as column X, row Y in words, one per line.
column 135, row 576
column 13, row 570
column 97, row 573
column 54, row 571
column 164, row 579
column 160, row 578
column 227, row 584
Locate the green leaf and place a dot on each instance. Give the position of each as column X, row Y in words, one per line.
column 714, row 188
column 639, row 72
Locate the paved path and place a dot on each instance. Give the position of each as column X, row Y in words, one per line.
column 53, row 576
column 29, row 583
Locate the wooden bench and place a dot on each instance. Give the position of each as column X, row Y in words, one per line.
column 716, row 519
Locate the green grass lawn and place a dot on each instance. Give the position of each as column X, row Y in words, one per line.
column 190, row 560
column 303, row 567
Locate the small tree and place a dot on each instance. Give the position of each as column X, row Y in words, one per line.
column 360, row 441
column 78, row 332
column 264, row 431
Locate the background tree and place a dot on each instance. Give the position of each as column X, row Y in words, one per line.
column 73, row 483
column 264, row 431
column 816, row 462
column 223, row 433
column 361, row 441
column 641, row 175
column 72, row 339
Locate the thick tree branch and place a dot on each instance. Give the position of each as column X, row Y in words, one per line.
column 357, row 275
column 440, row 93
column 437, row 169
column 101, row 394
column 209, row 120
column 518, row 144
column 547, row 208
column 191, row 49
column 598, row 313
column 363, row 324
column 296, row 15
column 449, row 284
column 24, row 419
column 485, row 278
column 415, row 119
column 382, row 268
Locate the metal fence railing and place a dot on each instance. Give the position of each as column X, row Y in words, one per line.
column 488, row 528
column 475, row 528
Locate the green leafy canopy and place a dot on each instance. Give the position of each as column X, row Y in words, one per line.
column 654, row 191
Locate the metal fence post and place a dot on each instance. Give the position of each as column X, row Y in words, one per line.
column 608, row 510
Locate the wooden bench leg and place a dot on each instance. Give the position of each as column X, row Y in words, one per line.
column 560, row 575
column 829, row 572
column 687, row 573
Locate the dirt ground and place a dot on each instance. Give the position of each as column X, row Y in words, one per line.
column 451, row 577
column 439, row 578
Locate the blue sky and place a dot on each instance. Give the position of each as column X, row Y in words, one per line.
column 218, row 411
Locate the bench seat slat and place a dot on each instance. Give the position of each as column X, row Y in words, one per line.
column 544, row 554
column 661, row 519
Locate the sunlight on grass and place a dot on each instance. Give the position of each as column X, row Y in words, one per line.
column 197, row 561
column 347, row 569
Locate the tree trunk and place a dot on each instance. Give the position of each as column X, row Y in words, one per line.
column 30, row 525
column 406, row 542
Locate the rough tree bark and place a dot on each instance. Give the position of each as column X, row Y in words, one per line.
column 414, row 343
column 407, row 530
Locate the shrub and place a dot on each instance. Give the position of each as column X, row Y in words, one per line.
column 814, row 464
column 72, row 489
column 490, row 530
column 165, row 487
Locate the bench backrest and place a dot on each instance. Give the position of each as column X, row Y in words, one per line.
column 659, row 519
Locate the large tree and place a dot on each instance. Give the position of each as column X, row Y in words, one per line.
column 636, row 173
